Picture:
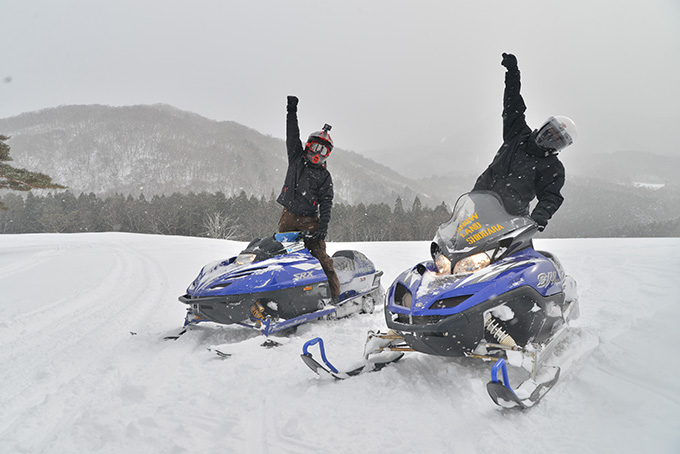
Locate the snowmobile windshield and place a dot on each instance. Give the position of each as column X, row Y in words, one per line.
column 261, row 249
column 478, row 223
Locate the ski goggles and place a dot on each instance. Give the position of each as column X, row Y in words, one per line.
column 318, row 152
column 319, row 148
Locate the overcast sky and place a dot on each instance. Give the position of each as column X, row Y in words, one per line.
column 384, row 73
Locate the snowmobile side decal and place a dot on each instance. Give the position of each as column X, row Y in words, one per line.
column 546, row 279
column 302, row 276
column 307, row 266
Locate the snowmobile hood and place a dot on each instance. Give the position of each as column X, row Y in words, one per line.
column 422, row 291
column 228, row 277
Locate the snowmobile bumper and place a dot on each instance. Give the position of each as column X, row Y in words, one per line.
column 459, row 334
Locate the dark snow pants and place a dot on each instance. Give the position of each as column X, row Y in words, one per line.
column 290, row 222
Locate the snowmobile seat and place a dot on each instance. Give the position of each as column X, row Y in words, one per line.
column 343, row 262
column 345, row 253
column 350, row 264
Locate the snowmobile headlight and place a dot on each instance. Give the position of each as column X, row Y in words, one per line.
column 443, row 264
column 245, row 259
column 472, row 263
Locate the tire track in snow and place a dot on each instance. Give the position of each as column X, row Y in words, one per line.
column 69, row 343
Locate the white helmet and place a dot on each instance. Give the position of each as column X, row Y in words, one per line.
column 556, row 133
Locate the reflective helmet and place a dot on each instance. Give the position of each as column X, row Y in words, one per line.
column 556, row 133
column 319, row 146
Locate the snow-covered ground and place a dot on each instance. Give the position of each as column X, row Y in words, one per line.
column 73, row 379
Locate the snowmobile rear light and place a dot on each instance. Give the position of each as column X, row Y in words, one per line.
column 472, row 263
column 245, row 259
column 443, row 264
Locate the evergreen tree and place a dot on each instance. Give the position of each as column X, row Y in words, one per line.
column 20, row 179
column 398, row 224
column 33, row 208
column 113, row 213
column 89, row 213
column 11, row 218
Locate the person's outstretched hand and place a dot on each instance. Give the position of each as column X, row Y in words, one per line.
column 509, row 61
column 292, row 102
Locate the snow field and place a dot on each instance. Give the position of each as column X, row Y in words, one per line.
column 75, row 380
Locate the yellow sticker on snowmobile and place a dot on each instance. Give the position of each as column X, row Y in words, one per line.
column 472, row 231
column 465, row 223
column 484, row 233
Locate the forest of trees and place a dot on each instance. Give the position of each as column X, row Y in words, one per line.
column 207, row 215
column 243, row 218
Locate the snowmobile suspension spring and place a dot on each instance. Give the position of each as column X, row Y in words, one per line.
column 498, row 332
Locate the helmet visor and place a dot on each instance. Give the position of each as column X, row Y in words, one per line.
column 553, row 136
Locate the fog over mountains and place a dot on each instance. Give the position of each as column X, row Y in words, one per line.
column 158, row 149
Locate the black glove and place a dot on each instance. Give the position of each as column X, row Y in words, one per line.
column 509, row 61
column 292, row 102
column 540, row 220
column 319, row 235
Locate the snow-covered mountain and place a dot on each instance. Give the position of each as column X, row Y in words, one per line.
column 76, row 380
column 160, row 150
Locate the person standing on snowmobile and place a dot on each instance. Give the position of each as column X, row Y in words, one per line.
column 307, row 193
column 526, row 165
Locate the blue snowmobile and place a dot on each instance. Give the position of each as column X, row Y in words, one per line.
column 487, row 294
column 275, row 284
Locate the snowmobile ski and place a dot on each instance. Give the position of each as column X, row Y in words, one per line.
column 369, row 365
column 219, row 353
column 175, row 336
column 528, row 392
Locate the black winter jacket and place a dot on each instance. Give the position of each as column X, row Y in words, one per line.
column 308, row 188
column 521, row 170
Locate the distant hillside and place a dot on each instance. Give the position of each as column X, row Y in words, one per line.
column 159, row 149
column 467, row 161
column 629, row 168
column 595, row 208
